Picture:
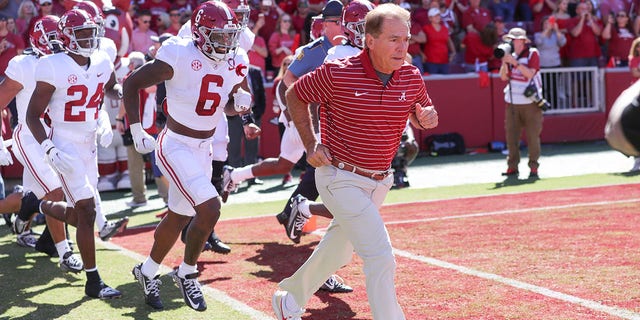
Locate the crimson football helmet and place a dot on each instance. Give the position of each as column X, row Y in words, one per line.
column 78, row 32
column 353, row 20
column 95, row 13
column 317, row 29
column 43, row 33
column 215, row 30
column 241, row 9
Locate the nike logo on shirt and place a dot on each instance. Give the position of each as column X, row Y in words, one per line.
column 100, row 74
column 360, row 93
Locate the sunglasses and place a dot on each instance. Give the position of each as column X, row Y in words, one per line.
column 174, row 15
column 146, row 21
column 622, row 16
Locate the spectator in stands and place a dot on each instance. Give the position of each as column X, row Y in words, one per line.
column 478, row 48
column 154, row 7
column 299, row 17
column 541, row 9
column 524, row 11
column 141, row 35
column 162, row 22
column 521, row 69
column 259, row 50
column 9, row 8
column 562, row 10
column 584, row 31
column 439, row 50
column 618, row 32
column 26, row 12
column 549, row 42
column 11, row 45
column 174, row 21
column 281, row 42
column 634, row 58
column 501, row 27
column 420, row 15
column 416, row 43
column 504, row 8
column 611, row 7
column 271, row 14
column 476, row 17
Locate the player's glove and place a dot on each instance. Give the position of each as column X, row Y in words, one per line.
column 143, row 142
column 59, row 160
column 104, row 129
column 241, row 100
column 5, row 155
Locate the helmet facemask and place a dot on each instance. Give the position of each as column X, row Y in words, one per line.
column 357, row 28
column 87, row 35
column 219, row 43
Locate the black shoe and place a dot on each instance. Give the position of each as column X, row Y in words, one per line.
column 217, row 245
column 255, row 181
column 190, row 289
column 296, row 221
column 7, row 219
column 510, row 173
column 45, row 244
column 150, row 287
column 101, row 290
column 283, row 217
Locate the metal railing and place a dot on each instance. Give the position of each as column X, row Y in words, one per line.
column 573, row 90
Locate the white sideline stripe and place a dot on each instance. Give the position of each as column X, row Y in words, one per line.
column 216, row 294
column 614, row 311
column 492, row 213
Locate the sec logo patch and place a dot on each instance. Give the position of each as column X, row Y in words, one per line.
column 72, row 79
column 196, row 65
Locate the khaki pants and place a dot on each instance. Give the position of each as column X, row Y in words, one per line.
column 136, row 174
column 354, row 202
column 527, row 117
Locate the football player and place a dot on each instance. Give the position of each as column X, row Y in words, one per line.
column 72, row 84
column 204, row 80
column 37, row 176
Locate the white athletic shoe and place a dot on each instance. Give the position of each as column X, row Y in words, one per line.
column 282, row 307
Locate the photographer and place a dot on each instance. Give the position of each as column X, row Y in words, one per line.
column 520, row 66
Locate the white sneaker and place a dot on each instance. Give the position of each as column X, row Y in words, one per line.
column 27, row 240
column 124, row 182
column 134, row 204
column 106, row 184
column 636, row 164
column 282, row 304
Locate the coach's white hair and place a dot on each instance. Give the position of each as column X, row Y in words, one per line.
column 136, row 59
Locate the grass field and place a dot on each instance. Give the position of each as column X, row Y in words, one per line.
column 33, row 287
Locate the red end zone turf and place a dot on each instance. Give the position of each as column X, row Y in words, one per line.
column 578, row 243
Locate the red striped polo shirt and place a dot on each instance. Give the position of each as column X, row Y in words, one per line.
column 361, row 119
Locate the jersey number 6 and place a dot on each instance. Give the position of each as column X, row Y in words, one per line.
column 203, row 108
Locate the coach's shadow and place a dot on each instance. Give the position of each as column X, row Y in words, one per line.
column 511, row 181
column 283, row 260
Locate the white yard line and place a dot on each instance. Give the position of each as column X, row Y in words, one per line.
column 215, row 294
column 613, row 311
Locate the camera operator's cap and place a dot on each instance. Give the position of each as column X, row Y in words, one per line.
column 333, row 8
column 434, row 12
column 161, row 38
column 516, row 33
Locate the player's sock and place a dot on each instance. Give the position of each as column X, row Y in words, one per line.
column 186, row 269
column 149, row 268
column 241, row 174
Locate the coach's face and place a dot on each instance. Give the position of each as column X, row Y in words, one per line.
column 389, row 49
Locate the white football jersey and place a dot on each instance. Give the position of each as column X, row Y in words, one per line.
column 22, row 69
column 200, row 87
column 341, row 51
column 79, row 90
column 109, row 47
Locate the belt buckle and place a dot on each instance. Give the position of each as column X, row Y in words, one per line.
column 341, row 165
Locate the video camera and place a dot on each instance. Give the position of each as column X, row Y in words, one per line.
column 531, row 92
column 503, row 49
